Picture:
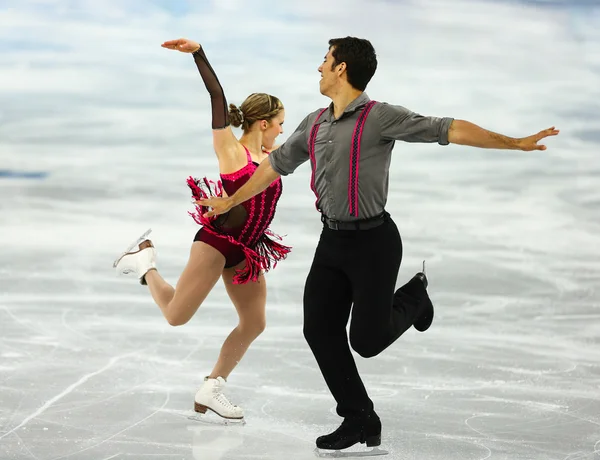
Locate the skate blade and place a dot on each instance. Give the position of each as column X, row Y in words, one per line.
column 325, row 453
column 141, row 238
column 205, row 419
column 215, row 420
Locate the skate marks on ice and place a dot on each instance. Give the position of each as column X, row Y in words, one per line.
column 218, row 439
column 70, row 389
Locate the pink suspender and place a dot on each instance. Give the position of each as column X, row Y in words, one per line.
column 354, row 157
column 311, row 152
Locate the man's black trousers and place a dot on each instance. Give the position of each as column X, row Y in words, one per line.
column 356, row 271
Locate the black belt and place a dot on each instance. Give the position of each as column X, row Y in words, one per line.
column 364, row 224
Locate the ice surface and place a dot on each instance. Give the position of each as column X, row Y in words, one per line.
column 89, row 369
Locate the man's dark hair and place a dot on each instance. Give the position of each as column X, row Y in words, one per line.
column 359, row 56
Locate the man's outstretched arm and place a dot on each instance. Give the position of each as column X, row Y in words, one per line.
column 401, row 124
column 466, row 133
column 259, row 181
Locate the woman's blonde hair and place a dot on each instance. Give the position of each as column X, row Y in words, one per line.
column 257, row 106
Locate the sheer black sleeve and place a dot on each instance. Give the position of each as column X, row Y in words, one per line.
column 220, row 112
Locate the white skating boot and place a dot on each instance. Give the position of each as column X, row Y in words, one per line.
column 210, row 396
column 138, row 258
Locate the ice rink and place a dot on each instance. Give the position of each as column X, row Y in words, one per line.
column 109, row 125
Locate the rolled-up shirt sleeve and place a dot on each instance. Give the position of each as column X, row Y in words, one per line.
column 401, row 124
column 293, row 152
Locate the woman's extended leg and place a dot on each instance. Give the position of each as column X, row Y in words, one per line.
column 200, row 275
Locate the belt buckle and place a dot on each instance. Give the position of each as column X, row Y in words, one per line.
column 331, row 223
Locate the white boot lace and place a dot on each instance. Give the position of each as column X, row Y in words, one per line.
column 222, row 399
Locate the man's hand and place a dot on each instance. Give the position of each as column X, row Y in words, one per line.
column 464, row 132
column 219, row 205
column 531, row 142
column 181, row 44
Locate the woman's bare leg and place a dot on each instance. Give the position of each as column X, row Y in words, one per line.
column 200, row 275
column 249, row 300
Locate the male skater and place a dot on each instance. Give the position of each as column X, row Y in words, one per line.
column 356, row 263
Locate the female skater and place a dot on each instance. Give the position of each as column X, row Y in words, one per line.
column 236, row 246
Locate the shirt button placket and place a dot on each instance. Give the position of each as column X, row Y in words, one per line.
column 331, row 173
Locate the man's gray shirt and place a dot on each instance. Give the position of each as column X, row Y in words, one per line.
column 384, row 125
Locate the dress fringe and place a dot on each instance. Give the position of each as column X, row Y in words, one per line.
column 261, row 257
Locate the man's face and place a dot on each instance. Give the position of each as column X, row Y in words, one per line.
column 329, row 77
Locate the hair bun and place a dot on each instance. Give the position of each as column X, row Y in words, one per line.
column 236, row 116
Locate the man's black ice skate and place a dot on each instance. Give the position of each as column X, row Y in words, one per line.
column 425, row 318
column 353, row 431
column 415, row 293
column 422, row 277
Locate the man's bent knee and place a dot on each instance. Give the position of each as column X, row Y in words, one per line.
column 365, row 346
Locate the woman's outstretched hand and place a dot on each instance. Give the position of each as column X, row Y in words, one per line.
column 181, row 44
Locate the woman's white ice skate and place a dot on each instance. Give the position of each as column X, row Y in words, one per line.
column 210, row 397
column 138, row 258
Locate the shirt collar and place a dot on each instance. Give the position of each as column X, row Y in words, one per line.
column 356, row 104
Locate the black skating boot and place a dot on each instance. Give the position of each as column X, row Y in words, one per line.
column 352, row 431
column 416, row 291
